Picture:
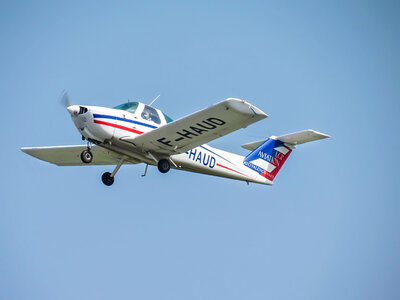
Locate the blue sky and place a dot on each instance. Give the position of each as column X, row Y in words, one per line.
column 327, row 229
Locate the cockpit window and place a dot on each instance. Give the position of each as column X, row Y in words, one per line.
column 168, row 119
column 150, row 114
column 129, row 107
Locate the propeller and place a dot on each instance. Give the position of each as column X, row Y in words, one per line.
column 65, row 101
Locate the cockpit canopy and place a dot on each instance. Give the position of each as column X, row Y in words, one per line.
column 129, row 107
column 148, row 113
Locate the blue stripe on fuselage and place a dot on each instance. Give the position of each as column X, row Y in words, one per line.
column 123, row 119
column 216, row 154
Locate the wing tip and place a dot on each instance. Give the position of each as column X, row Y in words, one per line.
column 320, row 134
column 26, row 149
column 237, row 104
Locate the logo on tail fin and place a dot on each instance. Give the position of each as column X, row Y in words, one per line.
column 268, row 158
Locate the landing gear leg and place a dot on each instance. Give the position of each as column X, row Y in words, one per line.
column 86, row 155
column 162, row 164
column 107, row 177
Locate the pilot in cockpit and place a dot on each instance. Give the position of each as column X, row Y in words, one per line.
column 146, row 115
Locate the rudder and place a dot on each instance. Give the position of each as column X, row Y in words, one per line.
column 268, row 158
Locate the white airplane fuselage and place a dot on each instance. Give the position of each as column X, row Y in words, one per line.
column 114, row 129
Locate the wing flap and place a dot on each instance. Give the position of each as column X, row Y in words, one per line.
column 70, row 155
column 199, row 128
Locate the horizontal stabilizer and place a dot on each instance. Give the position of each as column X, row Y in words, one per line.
column 302, row 137
column 253, row 145
column 295, row 138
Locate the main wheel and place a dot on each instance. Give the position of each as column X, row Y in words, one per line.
column 107, row 179
column 163, row 166
column 86, row 156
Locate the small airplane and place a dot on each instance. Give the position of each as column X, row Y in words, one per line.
column 134, row 132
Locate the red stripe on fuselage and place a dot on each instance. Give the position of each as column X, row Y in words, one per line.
column 230, row 169
column 117, row 126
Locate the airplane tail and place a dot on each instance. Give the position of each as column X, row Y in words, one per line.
column 268, row 156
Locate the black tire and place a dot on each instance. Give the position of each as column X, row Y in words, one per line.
column 163, row 166
column 86, row 156
column 107, row 179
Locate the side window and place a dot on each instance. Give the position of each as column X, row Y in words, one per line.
column 168, row 119
column 150, row 114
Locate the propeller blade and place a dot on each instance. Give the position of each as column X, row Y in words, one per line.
column 65, row 101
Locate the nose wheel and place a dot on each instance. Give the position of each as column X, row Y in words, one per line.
column 86, row 156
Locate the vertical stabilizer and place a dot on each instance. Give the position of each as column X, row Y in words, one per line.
column 268, row 158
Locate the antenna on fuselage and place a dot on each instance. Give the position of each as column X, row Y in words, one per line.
column 154, row 100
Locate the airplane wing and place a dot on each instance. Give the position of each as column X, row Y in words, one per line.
column 198, row 128
column 70, row 155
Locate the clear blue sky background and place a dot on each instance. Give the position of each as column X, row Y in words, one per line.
column 327, row 229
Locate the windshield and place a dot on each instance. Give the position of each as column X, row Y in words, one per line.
column 129, row 107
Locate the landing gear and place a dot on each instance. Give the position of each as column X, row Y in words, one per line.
column 107, row 178
column 86, row 156
column 163, row 165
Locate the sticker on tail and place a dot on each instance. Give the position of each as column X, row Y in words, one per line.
column 268, row 158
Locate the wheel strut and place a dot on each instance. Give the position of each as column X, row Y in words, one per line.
column 107, row 177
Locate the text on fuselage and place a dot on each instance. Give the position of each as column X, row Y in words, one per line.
column 201, row 157
column 195, row 130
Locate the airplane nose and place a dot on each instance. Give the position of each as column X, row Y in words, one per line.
column 73, row 110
